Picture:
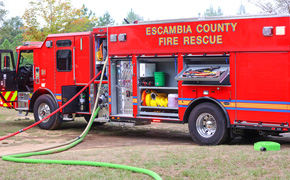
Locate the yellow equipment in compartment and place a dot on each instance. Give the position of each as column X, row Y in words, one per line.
column 152, row 98
column 100, row 53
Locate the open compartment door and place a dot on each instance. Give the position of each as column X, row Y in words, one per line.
column 203, row 73
column 205, row 70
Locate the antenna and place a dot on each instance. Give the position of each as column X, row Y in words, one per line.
column 126, row 21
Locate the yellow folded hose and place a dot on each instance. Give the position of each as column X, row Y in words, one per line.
column 154, row 99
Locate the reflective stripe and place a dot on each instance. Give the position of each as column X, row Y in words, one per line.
column 10, row 95
column 7, row 95
column 14, row 96
column 7, row 105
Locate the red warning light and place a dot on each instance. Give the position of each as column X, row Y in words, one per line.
column 156, row 120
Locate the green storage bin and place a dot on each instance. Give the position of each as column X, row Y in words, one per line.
column 159, row 78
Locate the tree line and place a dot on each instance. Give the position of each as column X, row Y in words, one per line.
column 59, row 16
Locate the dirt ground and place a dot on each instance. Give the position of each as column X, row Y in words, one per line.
column 99, row 136
column 105, row 136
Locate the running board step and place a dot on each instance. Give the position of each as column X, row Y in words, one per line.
column 133, row 123
column 68, row 117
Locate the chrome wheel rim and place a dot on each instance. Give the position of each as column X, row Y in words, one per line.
column 43, row 111
column 206, row 125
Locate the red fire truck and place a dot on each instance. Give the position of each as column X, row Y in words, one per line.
column 225, row 77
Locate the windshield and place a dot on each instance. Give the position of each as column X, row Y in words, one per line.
column 26, row 58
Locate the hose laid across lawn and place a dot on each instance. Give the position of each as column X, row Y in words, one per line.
column 19, row 158
column 72, row 143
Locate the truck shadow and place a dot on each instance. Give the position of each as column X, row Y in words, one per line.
column 282, row 139
column 161, row 133
column 138, row 134
column 164, row 134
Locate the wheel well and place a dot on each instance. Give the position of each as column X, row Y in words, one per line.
column 198, row 101
column 37, row 94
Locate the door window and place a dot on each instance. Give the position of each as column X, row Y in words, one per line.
column 64, row 60
column 26, row 59
column 6, row 62
column 63, row 43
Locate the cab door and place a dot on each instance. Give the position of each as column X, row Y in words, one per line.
column 64, row 59
column 8, row 85
column 7, row 71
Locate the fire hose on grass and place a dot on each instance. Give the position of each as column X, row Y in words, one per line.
column 72, row 143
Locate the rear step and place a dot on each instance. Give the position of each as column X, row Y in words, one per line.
column 20, row 113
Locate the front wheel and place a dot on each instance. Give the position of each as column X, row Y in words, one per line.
column 43, row 107
column 207, row 124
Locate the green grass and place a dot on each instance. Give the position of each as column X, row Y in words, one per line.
column 12, row 126
column 171, row 162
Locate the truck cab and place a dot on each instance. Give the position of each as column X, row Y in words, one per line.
column 46, row 75
column 16, row 75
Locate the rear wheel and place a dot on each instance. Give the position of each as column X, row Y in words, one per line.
column 207, row 124
column 44, row 106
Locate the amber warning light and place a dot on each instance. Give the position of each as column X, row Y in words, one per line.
column 268, row 31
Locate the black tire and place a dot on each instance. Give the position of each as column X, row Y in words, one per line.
column 44, row 106
column 207, row 124
column 88, row 117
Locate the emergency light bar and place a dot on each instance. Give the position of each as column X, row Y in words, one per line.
column 269, row 30
column 32, row 43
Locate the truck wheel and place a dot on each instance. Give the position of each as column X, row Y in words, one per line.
column 207, row 124
column 88, row 117
column 44, row 106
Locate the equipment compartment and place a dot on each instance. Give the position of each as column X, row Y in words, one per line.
column 152, row 97
column 203, row 73
column 167, row 65
column 154, row 102
column 205, row 70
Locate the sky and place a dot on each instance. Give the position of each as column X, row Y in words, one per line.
column 149, row 9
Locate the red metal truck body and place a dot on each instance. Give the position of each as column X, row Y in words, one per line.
column 258, row 89
column 250, row 91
